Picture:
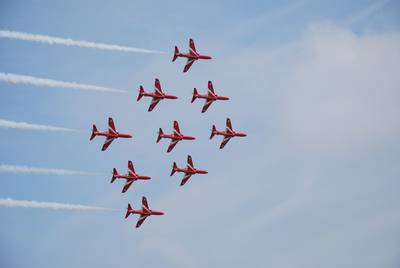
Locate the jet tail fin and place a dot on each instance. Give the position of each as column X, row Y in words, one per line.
column 160, row 135
column 115, row 174
column 195, row 95
column 213, row 131
column 128, row 211
column 174, row 168
column 141, row 91
column 176, row 54
column 94, row 130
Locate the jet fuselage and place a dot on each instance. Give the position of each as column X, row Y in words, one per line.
column 177, row 137
column 230, row 134
column 211, row 97
column 145, row 212
column 161, row 96
column 191, row 171
column 112, row 135
column 193, row 56
column 132, row 177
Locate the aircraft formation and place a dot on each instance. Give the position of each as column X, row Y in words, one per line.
column 176, row 136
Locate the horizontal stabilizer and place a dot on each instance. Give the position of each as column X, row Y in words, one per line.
column 141, row 92
column 213, row 131
column 94, row 131
column 195, row 95
column 174, row 168
column 115, row 174
column 176, row 54
column 128, row 211
column 160, row 135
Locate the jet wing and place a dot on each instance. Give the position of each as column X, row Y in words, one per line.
column 141, row 220
column 153, row 103
column 210, row 89
column 229, row 125
column 188, row 65
column 127, row 185
column 107, row 143
column 131, row 169
column 206, row 105
column 172, row 145
column 157, row 87
column 192, row 47
column 224, row 142
column 176, row 128
column 185, row 179
column 190, row 162
column 111, row 126
column 145, row 206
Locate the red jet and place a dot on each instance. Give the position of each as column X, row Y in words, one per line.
column 175, row 137
column 157, row 95
column 228, row 134
column 144, row 212
column 130, row 177
column 210, row 97
column 189, row 171
column 192, row 55
column 110, row 135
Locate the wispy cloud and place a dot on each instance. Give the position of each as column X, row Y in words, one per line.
column 172, row 251
column 28, row 126
column 267, row 18
column 43, row 171
column 294, row 201
column 347, row 78
column 35, row 81
column 70, row 42
column 11, row 203
column 366, row 12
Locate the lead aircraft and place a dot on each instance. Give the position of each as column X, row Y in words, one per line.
column 157, row 95
column 228, row 134
column 144, row 212
column 130, row 177
column 110, row 135
column 175, row 137
column 189, row 170
column 192, row 55
column 210, row 97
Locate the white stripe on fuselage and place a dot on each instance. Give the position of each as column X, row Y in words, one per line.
column 193, row 52
column 158, row 90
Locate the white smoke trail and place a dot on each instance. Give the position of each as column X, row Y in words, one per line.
column 30, row 80
column 4, row 168
column 23, row 125
column 11, row 203
column 69, row 42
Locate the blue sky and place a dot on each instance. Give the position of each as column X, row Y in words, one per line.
column 313, row 83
